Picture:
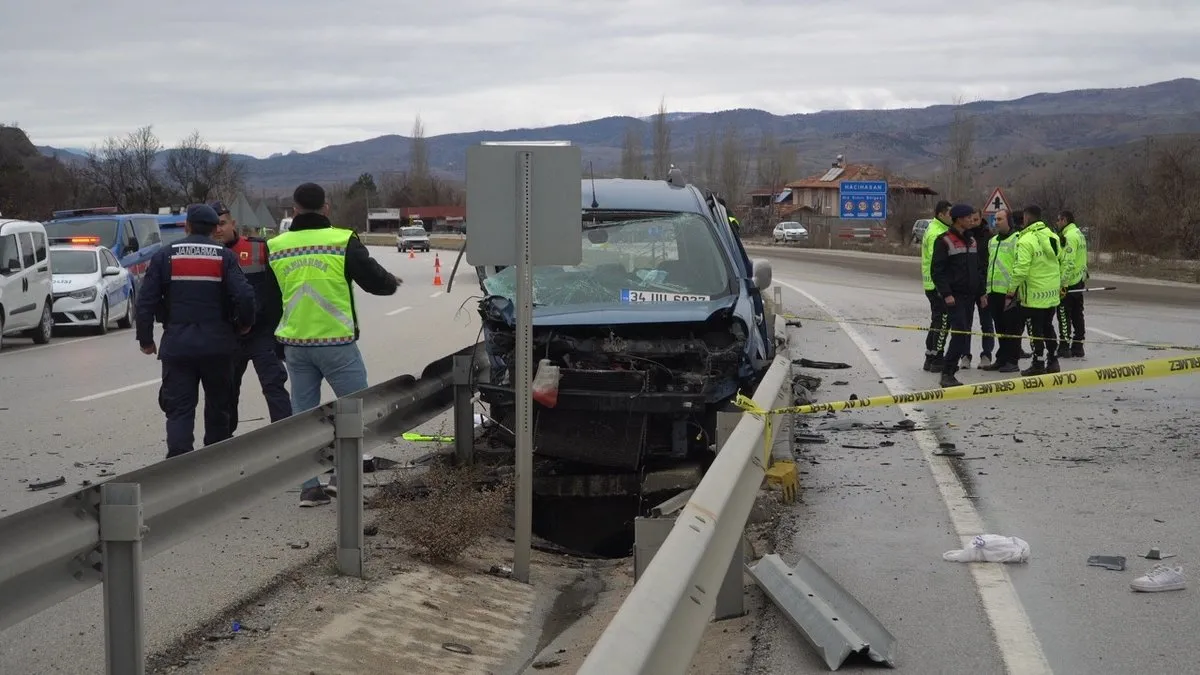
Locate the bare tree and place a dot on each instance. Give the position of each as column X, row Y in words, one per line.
column 662, row 142
column 201, row 173
column 775, row 166
column 960, row 153
column 418, row 161
column 632, row 164
column 734, row 167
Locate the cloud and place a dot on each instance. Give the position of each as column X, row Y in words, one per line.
column 274, row 75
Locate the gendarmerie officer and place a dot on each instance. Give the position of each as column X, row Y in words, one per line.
column 259, row 345
column 197, row 290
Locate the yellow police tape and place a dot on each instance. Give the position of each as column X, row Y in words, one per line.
column 950, row 331
column 1084, row 377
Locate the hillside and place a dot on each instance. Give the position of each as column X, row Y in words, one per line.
column 911, row 141
column 1082, row 165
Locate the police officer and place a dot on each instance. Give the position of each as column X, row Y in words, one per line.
column 1036, row 279
column 1074, row 259
column 315, row 264
column 939, row 320
column 259, row 344
column 196, row 289
column 1001, row 256
column 959, row 280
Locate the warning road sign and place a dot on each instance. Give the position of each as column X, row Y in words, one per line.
column 996, row 202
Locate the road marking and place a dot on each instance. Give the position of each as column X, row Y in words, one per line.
column 1114, row 336
column 120, row 390
column 9, row 351
column 436, row 294
column 394, row 312
column 1015, row 638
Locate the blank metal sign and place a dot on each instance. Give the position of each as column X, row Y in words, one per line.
column 494, row 194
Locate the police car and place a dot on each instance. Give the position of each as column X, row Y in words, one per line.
column 91, row 288
column 133, row 238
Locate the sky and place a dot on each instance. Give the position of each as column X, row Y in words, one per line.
column 266, row 76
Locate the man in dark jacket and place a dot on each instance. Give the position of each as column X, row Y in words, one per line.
column 259, row 344
column 983, row 233
column 197, row 290
column 959, row 279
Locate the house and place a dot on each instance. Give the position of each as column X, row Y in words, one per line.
column 819, row 193
column 435, row 218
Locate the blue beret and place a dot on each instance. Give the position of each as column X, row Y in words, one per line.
column 202, row 214
column 961, row 211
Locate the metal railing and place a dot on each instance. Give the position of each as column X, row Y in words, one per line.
column 659, row 626
column 101, row 534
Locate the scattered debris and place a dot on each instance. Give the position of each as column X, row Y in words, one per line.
column 947, row 449
column 1155, row 554
column 1017, row 440
column 809, row 438
column 840, row 425
column 500, row 571
column 298, row 544
column 430, row 605
column 809, row 382
column 886, row 444
column 370, row 530
column 456, row 648
column 905, row 424
column 45, row 485
column 1115, row 563
column 840, row 383
column 801, row 395
column 546, row 663
column 991, row 548
column 219, row 636
column 821, row 365
column 847, row 446
column 1072, row 459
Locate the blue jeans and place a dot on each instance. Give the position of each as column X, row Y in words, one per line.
column 341, row 366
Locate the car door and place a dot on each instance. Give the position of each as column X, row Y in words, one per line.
column 116, row 288
column 41, row 281
column 15, row 285
column 29, row 306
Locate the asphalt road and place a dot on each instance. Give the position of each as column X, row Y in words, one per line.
column 1105, row 470
column 82, row 405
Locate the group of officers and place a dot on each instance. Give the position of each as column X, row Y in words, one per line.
column 1020, row 273
column 285, row 304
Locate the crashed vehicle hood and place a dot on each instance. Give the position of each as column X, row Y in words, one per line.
column 606, row 314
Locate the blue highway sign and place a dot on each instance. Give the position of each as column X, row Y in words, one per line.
column 863, row 199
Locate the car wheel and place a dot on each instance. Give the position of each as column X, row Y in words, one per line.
column 102, row 329
column 127, row 320
column 41, row 334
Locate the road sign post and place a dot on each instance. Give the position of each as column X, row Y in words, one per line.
column 863, row 199
column 996, row 203
column 523, row 203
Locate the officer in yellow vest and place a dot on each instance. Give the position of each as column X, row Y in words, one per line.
column 1074, row 258
column 315, row 264
column 939, row 321
column 1036, row 278
column 1002, row 256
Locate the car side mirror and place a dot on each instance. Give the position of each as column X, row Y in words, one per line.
column 762, row 274
column 112, row 271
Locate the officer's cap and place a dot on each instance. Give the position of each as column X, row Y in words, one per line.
column 219, row 207
column 961, row 211
column 202, row 214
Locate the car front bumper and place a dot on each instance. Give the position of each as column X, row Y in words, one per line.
column 68, row 311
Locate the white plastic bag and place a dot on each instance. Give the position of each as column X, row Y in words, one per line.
column 991, row 548
column 545, row 384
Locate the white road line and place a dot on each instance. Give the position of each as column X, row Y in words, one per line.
column 54, row 343
column 120, row 390
column 1018, row 643
column 436, row 294
column 394, row 312
column 1114, row 336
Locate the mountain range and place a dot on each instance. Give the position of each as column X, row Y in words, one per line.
column 908, row 141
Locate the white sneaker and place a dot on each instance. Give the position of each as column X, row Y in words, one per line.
column 1160, row 578
column 985, row 360
column 965, row 363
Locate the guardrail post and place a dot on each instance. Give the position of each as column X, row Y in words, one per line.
column 121, row 532
column 731, row 595
column 464, row 418
column 348, row 448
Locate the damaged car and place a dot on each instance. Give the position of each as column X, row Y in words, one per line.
column 638, row 346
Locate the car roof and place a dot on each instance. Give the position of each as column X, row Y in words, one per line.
column 622, row 194
column 13, row 221
column 76, row 247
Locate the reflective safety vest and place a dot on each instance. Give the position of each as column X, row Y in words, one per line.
column 935, row 229
column 318, row 305
column 1074, row 257
column 1002, row 255
column 1036, row 273
column 251, row 255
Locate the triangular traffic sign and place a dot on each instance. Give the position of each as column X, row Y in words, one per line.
column 996, row 202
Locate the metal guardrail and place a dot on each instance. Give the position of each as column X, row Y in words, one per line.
column 659, row 626
column 58, row 549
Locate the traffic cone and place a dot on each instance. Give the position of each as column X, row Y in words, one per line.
column 411, row 253
column 437, row 262
column 437, row 277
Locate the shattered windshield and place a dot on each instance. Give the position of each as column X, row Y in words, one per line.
column 673, row 258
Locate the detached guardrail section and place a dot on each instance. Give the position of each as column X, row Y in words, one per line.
column 101, row 534
column 659, row 626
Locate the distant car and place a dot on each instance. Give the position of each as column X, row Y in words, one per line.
column 415, row 238
column 918, row 230
column 790, row 231
column 285, row 225
column 91, row 288
column 170, row 227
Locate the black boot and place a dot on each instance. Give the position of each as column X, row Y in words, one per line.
column 1077, row 350
column 948, row 379
column 1010, row 367
column 1064, row 351
column 928, row 367
column 1052, row 366
column 1035, row 368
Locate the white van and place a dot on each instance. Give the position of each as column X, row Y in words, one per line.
column 26, row 283
column 285, row 225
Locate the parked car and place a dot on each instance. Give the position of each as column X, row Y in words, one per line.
column 412, row 237
column 91, row 288
column 26, row 291
column 789, row 231
column 918, row 230
column 133, row 238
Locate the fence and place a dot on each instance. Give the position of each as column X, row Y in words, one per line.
column 102, row 534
